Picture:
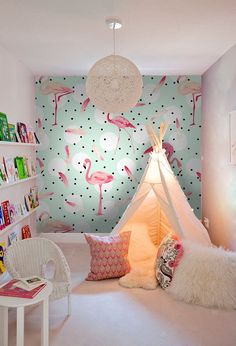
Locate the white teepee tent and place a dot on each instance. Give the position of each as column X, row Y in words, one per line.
column 160, row 203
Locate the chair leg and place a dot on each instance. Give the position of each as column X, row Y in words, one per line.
column 69, row 304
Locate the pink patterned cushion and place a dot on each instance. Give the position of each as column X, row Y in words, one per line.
column 169, row 254
column 109, row 256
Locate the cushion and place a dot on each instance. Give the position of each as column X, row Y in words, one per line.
column 205, row 276
column 109, row 256
column 142, row 251
column 169, row 254
column 140, row 278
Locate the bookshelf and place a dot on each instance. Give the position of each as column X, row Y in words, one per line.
column 5, row 230
column 5, row 143
column 20, row 181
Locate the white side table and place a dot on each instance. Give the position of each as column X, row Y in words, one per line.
column 19, row 304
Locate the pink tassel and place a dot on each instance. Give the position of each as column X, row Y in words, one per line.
column 63, row 178
column 85, row 104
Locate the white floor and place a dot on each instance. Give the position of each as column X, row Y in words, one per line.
column 105, row 314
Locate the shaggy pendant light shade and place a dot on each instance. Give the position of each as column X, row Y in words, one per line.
column 114, row 84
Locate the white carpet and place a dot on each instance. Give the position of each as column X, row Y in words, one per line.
column 106, row 314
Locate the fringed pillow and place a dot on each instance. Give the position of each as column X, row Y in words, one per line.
column 169, row 254
column 109, row 256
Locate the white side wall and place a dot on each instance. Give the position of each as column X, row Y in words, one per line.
column 219, row 176
column 17, row 101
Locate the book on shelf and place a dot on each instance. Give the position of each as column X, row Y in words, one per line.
column 4, row 130
column 26, row 233
column 22, row 130
column 2, row 222
column 12, row 212
column 35, row 196
column 10, row 290
column 12, row 174
column 5, row 206
column 12, row 238
column 2, row 251
column 36, row 138
column 12, row 132
column 3, row 175
column 20, row 165
column 30, row 133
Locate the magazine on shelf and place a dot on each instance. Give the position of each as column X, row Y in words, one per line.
column 2, row 251
column 12, row 175
column 4, row 130
column 30, row 133
column 2, row 222
column 20, row 165
column 12, row 212
column 12, row 238
column 22, row 130
column 35, row 196
column 12, row 291
column 26, row 233
column 5, row 206
column 12, row 132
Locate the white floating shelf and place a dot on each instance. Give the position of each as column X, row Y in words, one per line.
column 19, row 144
column 6, row 229
column 6, row 185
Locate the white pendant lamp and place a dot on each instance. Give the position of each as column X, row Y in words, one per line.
column 114, row 83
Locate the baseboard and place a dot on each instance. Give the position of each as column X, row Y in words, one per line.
column 68, row 238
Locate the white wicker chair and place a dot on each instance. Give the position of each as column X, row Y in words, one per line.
column 31, row 256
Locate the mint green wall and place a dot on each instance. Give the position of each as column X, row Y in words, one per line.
column 83, row 132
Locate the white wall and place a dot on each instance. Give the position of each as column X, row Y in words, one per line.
column 17, row 101
column 218, row 175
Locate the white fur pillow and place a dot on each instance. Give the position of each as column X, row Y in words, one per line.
column 140, row 278
column 205, row 276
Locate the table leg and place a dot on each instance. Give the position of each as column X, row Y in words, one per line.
column 20, row 326
column 44, row 324
column 3, row 326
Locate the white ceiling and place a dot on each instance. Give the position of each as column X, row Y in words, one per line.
column 65, row 37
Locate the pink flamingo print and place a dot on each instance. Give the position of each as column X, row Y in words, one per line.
column 97, row 178
column 121, row 123
column 187, row 87
column 58, row 90
column 169, row 154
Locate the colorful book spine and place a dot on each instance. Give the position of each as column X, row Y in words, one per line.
column 5, row 208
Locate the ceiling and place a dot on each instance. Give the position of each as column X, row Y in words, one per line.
column 66, row 37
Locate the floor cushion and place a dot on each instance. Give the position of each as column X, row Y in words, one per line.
column 205, row 276
column 109, row 256
column 168, row 256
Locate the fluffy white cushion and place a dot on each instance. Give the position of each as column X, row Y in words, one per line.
column 205, row 276
column 142, row 255
column 140, row 278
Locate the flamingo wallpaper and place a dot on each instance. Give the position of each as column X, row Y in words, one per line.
column 91, row 162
